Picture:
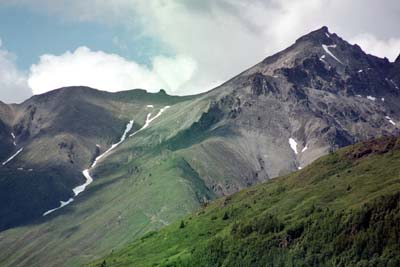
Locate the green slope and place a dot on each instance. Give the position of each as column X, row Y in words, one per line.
column 59, row 132
column 342, row 210
column 140, row 186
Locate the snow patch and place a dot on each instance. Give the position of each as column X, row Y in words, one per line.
column 149, row 106
column 86, row 173
column 149, row 119
column 13, row 156
column 123, row 137
column 371, row 98
column 392, row 82
column 360, row 71
column 62, row 204
column 326, row 48
column 358, row 95
column 304, row 149
column 395, row 85
column 299, row 168
column 79, row 189
column 383, row 99
column 327, row 35
column 322, row 58
column 293, row 145
column 13, row 137
column 390, row 120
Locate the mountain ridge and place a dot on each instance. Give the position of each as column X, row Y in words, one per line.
column 270, row 120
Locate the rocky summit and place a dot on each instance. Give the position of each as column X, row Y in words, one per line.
column 98, row 170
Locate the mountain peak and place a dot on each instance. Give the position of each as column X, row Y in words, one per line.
column 397, row 59
column 162, row 91
column 323, row 29
column 321, row 35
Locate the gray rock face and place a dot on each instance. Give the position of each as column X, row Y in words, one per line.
column 322, row 93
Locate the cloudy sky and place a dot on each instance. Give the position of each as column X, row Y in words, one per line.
column 183, row 46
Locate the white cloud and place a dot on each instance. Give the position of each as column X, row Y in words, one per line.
column 224, row 37
column 221, row 41
column 389, row 48
column 13, row 83
column 174, row 72
column 108, row 72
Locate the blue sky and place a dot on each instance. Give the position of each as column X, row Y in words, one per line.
column 30, row 34
column 182, row 46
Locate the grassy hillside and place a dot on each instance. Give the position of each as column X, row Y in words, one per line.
column 60, row 132
column 140, row 186
column 342, row 210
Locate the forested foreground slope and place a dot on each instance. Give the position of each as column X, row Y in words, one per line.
column 342, row 210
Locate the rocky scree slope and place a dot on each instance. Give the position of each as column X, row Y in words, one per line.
column 320, row 94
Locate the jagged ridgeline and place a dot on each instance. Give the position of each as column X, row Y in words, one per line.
column 84, row 171
column 342, row 210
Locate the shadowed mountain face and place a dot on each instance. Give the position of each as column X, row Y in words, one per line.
column 280, row 115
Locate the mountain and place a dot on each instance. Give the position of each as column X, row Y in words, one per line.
column 170, row 155
column 59, row 133
column 342, row 210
